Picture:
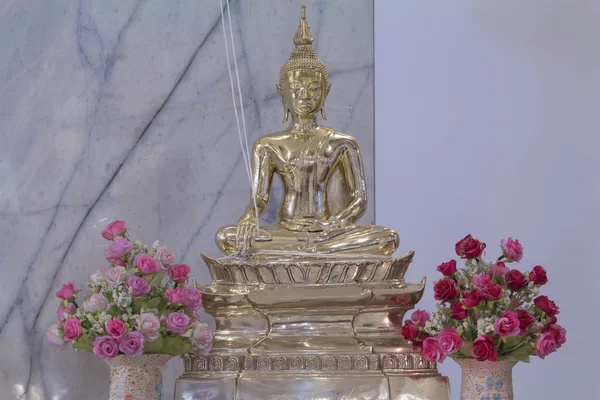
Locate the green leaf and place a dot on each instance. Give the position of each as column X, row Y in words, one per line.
column 521, row 354
column 154, row 347
column 157, row 278
column 176, row 345
column 466, row 350
column 84, row 343
column 138, row 304
column 154, row 303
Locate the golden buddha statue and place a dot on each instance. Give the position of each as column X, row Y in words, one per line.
column 322, row 174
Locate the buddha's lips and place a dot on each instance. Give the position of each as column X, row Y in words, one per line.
column 305, row 105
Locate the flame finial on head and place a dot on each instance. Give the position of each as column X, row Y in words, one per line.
column 303, row 35
column 304, row 55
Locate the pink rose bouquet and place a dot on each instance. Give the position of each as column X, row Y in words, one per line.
column 140, row 304
column 487, row 310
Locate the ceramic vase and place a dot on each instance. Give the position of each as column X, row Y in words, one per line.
column 137, row 378
column 486, row 380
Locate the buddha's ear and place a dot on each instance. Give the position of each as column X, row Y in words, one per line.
column 327, row 88
column 286, row 112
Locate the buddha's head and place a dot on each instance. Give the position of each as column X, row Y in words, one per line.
column 303, row 79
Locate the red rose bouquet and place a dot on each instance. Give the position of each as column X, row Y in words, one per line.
column 487, row 311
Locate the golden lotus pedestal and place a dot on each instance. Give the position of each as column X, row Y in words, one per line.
column 310, row 328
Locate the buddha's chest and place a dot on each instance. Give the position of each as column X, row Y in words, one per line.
column 304, row 158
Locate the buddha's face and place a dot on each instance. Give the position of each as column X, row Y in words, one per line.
column 304, row 92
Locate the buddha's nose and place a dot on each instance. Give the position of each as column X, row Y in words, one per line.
column 304, row 94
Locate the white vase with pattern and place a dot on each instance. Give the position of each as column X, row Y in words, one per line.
column 486, row 380
column 137, row 378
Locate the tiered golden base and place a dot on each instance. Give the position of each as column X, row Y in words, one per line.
column 310, row 328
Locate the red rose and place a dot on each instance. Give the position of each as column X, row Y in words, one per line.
column 472, row 298
column 559, row 333
column 458, row 311
column 483, row 349
column 515, row 280
column 432, row 350
column 450, row 341
column 525, row 320
column 410, row 331
column 445, row 290
column 545, row 345
column 508, row 324
column 538, row 275
column 447, row 268
column 498, row 270
column 469, row 248
column 493, row 292
column 419, row 317
column 546, row 305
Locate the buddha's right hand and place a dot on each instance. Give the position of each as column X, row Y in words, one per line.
column 246, row 232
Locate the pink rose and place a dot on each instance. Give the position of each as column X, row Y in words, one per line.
column 114, row 229
column 193, row 298
column 538, row 275
column 458, row 311
column 105, row 347
column 96, row 277
column 72, row 329
column 445, row 290
column 546, row 305
column 117, row 249
column 149, row 325
column 515, row 280
column 508, row 325
column 202, row 337
column 558, row 332
column 525, row 320
column 472, row 298
column 499, row 269
column 165, row 256
column 493, row 292
column 146, row 264
column 177, row 323
column 419, row 317
column 116, row 328
column 115, row 275
column 450, row 341
column 176, row 295
column 447, row 268
column 132, row 345
column 432, row 350
column 481, row 281
column 96, row 302
column 67, row 291
column 139, row 286
column 62, row 310
column 180, row 272
column 545, row 345
column 512, row 249
column 483, row 349
column 410, row 331
column 53, row 336
column 469, row 248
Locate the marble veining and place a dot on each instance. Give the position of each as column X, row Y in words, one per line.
column 122, row 109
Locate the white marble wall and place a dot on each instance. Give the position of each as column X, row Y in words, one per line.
column 122, row 110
